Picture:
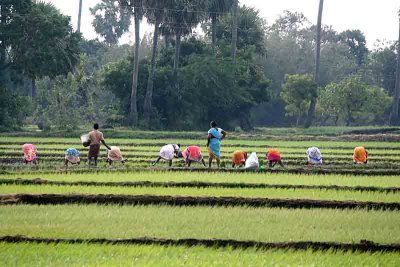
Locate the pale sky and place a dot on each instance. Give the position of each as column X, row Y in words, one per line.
column 376, row 19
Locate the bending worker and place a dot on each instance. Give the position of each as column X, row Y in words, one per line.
column 192, row 154
column 314, row 156
column 360, row 155
column 167, row 152
column 274, row 157
column 30, row 153
column 72, row 156
column 114, row 155
column 239, row 158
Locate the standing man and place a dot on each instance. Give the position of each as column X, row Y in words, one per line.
column 214, row 137
column 96, row 137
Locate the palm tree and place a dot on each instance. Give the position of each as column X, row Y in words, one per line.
column 234, row 29
column 135, row 7
column 313, row 103
column 155, row 12
column 395, row 103
column 216, row 8
column 185, row 16
column 79, row 16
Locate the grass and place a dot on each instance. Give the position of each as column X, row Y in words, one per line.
column 201, row 192
column 124, row 255
column 267, row 178
column 240, row 223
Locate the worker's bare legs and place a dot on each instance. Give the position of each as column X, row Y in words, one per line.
column 156, row 161
column 170, row 163
column 233, row 165
column 210, row 159
column 218, row 162
column 281, row 163
column 66, row 163
column 189, row 162
column 204, row 163
column 95, row 161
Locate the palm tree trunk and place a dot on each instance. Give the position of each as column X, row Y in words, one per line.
column 234, row 29
column 133, row 113
column 167, row 40
column 79, row 16
column 33, row 88
column 214, row 31
column 177, row 53
column 147, row 108
column 395, row 104
column 313, row 103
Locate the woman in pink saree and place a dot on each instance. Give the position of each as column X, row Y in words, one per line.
column 30, row 153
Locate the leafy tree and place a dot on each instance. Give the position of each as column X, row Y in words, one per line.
column 353, row 102
column 111, row 20
column 357, row 44
column 251, row 29
column 49, row 46
column 12, row 16
column 215, row 89
column 382, row 66
column 76, row 99
column 298, row 92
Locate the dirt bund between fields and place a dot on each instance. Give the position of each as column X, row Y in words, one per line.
column 363, row 246
column 103, row 199
column 195, row 184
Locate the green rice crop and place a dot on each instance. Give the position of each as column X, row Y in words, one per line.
column 202, row 192
column 267, row 178
column 239, row 223
column 25, row 254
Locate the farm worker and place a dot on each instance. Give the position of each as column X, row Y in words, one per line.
column 96, row 137
column 114, row 154
column 30, row 153
column 167, row 152
column 273, row 157
column 252, row 162
column 239, row 158
column 72, row 156
column 314, row 155
column 192, row 154
column 214, row 138
column 360, row 155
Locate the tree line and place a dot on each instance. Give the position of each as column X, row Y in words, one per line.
column 239, row 70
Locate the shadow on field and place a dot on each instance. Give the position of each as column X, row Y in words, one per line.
column 51, row 199
column 364, row 245
column 196, row 184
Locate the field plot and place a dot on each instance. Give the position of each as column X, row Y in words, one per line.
column 335, row 214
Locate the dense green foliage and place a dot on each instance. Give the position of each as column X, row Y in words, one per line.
column 189, row 79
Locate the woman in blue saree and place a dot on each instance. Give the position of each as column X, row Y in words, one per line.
column 215, row 135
